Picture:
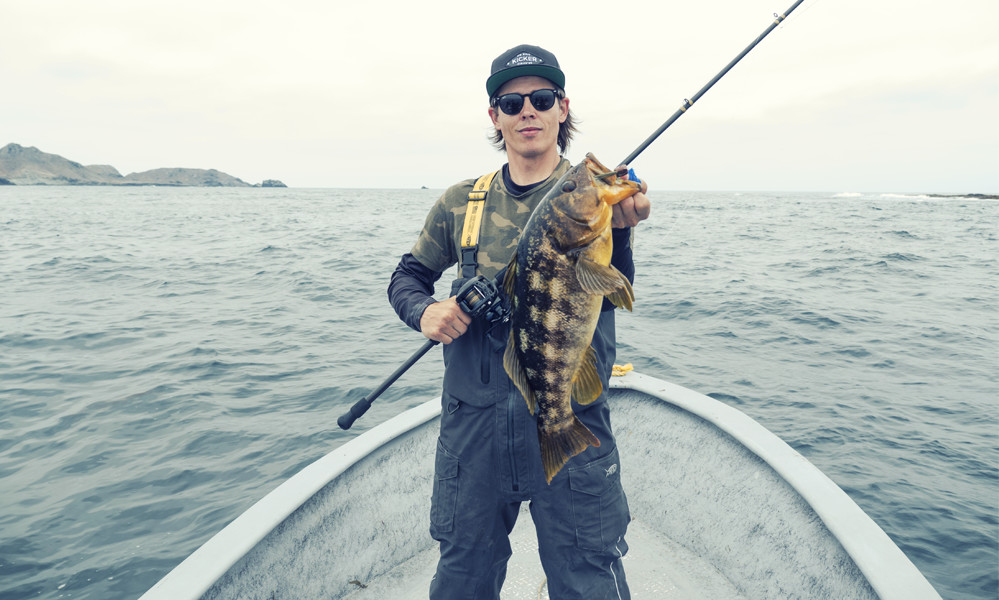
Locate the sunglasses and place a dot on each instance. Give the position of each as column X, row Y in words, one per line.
column 512, row 104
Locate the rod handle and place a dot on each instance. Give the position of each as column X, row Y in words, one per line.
column 361, row 406
column 356, row 412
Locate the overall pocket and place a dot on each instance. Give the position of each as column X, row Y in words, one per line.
column 599, row 506
column 445, row 496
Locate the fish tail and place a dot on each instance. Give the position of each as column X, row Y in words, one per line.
column 559, row 446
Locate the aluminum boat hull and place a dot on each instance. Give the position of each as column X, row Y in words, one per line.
column 722, row 508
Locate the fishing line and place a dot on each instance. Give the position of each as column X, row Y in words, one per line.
column 804, row 10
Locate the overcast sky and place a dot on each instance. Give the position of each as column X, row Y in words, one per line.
column 845, row 96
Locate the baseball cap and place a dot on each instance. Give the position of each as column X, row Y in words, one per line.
column 524, row 60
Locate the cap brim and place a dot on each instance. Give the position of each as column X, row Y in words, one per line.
column 496, row 80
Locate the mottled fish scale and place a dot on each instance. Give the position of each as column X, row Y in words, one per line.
column 556, row 282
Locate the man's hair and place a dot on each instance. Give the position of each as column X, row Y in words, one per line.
column 565, row 131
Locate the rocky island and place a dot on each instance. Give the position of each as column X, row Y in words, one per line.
column 31, row 166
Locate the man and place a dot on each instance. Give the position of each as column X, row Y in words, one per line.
column 488, row 460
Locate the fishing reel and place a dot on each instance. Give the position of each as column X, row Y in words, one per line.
column 481, row 299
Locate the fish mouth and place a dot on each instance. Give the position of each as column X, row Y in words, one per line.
column 610, row 185
column 581, row 221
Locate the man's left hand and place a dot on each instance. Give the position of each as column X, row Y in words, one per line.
column 631, row 211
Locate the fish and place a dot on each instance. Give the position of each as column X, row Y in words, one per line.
column 556, row 282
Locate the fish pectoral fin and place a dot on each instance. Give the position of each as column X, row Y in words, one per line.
column 511, row 364
column 624, row 297
column 559, row 446
column 596, row 278
column 586, row 386
column 604, row 280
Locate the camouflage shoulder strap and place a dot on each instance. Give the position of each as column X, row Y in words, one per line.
column 473, row 222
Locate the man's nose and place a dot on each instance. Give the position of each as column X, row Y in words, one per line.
column 528, row 109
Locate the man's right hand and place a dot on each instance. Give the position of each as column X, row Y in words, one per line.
column 444, row 321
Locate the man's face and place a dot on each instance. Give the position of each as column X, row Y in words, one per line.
column 531, row 133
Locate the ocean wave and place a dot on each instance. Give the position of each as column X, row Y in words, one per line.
column 895, row 196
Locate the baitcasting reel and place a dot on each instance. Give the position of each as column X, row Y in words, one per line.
column 481, row 298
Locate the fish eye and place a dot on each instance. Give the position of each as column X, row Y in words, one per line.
column 569, row 186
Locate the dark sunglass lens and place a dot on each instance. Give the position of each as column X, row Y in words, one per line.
column 511, row 104
column 543, row 99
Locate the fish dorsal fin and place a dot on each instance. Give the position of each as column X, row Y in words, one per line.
column 586, row 386
column 511, row 364
column 510, row 279
column 604, row 280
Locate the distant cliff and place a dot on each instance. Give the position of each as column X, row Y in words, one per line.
column 188, row 177
column 31, row 166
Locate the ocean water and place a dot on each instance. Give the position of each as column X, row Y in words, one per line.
column 168, row 356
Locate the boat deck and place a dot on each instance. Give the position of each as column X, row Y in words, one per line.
column 724, row 509
column 656, row 568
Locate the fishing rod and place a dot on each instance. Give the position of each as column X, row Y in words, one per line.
column 687, row 103
column 480, row 297
column 361, row 406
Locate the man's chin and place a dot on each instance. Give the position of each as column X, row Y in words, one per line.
column 531, row 151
